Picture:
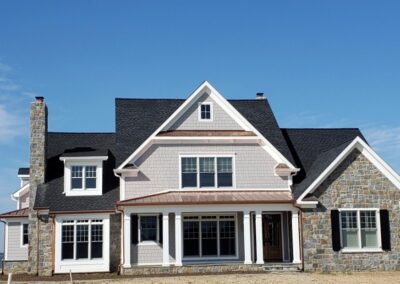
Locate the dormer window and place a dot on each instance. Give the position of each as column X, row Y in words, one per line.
column 205, row 111
column 83, row 174
column 83, row 177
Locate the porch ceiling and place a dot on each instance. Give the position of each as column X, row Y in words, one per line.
column 211, row 197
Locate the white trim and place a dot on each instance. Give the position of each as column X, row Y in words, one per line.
column 296, row 237
column 6, row 241
column 259, row 237
column 206, row 87
column 84, row 159
column 178, row 239
column 211, row 112
column 22, row 245
column 20, row 191
column 165, row 244
column 247, row 237
column 368, row 152
column 215, row 156
column 83, row 265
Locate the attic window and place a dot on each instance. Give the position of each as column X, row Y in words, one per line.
column 205, row 111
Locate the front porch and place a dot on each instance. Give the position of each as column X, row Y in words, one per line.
column 186, row 238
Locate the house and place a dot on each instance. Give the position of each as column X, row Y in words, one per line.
column 201, row 185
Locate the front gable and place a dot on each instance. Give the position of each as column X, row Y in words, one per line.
column 219, row 120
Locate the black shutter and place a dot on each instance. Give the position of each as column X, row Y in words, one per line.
column 335, row 230
column 385, row 229
column 134, row 229
column 160, row 222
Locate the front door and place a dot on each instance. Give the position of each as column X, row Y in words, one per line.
column 272, row 237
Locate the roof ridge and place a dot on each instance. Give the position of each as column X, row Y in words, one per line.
column 320, row 128
column 149, row 99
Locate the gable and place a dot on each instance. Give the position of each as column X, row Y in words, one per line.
column 221, row 120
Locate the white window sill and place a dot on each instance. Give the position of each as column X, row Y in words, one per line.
column 366, row 250
column 148, row 243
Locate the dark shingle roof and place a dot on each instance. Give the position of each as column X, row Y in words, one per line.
column 84, row 152
column 50, row 195
column 315, row 149
column 23, row 171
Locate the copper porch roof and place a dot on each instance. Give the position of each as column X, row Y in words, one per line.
column 16, row 213
column 211, row 197
column 190, row 133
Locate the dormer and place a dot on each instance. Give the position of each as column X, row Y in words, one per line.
column 23, row 175
column 83, row 171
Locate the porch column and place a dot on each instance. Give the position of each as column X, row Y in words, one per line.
column 165, row 220
column 296, row 236
column 127, row 241
column 178, row 239
column 259, row 238
column 247, row 237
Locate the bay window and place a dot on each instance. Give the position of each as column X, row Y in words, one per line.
column 206, row 171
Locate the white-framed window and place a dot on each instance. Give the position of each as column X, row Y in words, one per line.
column 210, row 236
column 83, row 177
column 205, row 111
column 149, row 228
column 360, row 229
column 82, row 239
column 206, row 171
column 24, row 234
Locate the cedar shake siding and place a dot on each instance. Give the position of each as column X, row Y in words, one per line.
column 356, row 183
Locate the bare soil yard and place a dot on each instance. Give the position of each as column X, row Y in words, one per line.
column 265, row 278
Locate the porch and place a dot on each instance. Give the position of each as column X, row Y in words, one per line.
column 192, row 236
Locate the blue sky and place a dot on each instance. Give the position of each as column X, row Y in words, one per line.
column 320, row 63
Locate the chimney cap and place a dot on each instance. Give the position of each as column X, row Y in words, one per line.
column 39, row 99
column 260, row 96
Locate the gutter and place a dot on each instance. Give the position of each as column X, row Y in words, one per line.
column 301, row 237
column 122, row 240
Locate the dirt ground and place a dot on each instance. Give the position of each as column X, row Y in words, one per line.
column 264, row 278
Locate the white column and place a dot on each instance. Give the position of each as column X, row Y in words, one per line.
column 296, row 236
column 127, row 241
column 259, row 238
column 247, row 237
column 165, row 220
column 178, row 239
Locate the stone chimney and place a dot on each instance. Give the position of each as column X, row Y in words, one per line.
column 38, row 143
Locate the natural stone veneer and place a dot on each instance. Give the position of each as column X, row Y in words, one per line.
column 356, row 183
column 15, row 267
column 115, row 242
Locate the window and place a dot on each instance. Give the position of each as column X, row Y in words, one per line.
column 205, row 111
column 25, row 234
column 81, row 239
column 148, row 228
column 83, row 177
column 209, row 236
column 206, row 172
column 359, row 229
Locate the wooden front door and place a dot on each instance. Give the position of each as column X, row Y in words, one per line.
column 272, row 237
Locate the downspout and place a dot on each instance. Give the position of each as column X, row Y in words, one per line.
column 122, row 240
column 38, row 241
column 4, row 246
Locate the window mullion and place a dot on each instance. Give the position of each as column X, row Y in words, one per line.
column 198, row 171
column 215, row 172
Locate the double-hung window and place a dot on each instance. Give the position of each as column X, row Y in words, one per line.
column 359, row 229
column 148, row 228
column 206, row 172
column 83, row 177
column 81, row 239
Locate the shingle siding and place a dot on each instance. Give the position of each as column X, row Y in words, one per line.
column 190, row 119
column 15, row 250
column 159, row 168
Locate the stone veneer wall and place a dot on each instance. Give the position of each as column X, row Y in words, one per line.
column 15, row 267
column 356, row 183
column 115, row 242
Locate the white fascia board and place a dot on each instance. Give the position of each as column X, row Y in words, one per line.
column 226, row 106
column 20, row 191
column 368, row 152
column 84, row 158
